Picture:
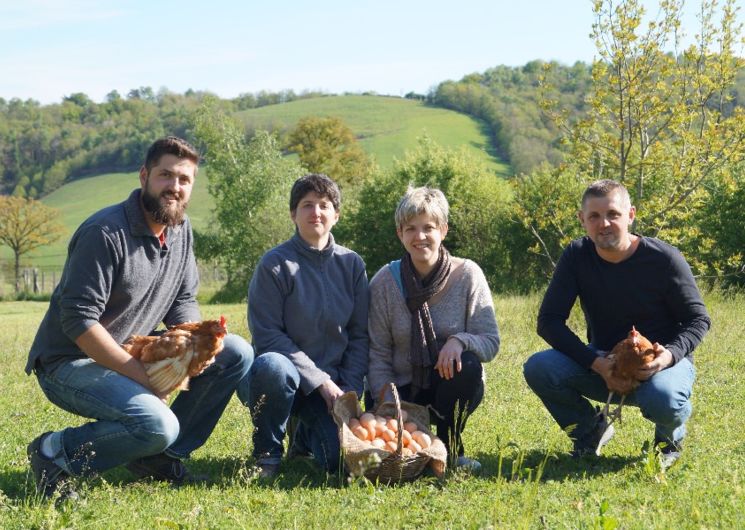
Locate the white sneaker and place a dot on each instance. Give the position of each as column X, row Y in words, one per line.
column 470, row 465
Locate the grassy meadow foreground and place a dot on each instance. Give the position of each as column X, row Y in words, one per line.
column 528, row 480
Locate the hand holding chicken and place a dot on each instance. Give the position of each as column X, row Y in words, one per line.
column 183, row 351
column 630, row 360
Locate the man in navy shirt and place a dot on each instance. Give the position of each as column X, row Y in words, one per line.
column 622, row 280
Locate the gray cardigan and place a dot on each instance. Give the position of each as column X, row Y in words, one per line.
column 118, row 275
column 311, row 306
column 464, row 310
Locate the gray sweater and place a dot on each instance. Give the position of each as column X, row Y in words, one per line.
column 464, row 309
column 118, row 275
column 311, row 305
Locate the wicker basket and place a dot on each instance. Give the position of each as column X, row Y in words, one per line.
column 376, row 464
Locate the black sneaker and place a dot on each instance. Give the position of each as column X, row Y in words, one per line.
column 48, row 476
column 593, row 442
column 164, row 467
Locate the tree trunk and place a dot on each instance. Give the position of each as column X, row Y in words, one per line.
column 18, row 272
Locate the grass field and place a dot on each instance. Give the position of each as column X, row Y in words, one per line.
column 528, row 480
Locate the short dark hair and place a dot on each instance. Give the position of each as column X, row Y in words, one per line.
column 170, row 145
column 603, row 188
column 316, row 182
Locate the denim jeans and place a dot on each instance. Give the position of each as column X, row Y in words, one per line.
column 271, row 392
column 563, row 385
column 130, row 421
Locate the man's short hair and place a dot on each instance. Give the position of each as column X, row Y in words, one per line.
column 170, row 145
column 603, row 188
column 424, row 200
column 318, row 183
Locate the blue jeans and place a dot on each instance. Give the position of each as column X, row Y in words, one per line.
column 563, row 385
column 131, row 422
column 271, row 392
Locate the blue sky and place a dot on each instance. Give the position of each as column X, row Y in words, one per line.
column 53, row 48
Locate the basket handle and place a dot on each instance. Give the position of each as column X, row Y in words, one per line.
column 397, row 402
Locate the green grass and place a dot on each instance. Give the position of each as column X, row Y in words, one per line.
column 511, row 433
column 386, row 126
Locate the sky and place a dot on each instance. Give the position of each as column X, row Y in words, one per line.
column 53, row 48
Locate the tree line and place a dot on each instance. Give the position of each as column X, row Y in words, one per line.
column 669, row 124
column 44, row 146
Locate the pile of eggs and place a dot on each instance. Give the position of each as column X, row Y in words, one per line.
column 382, row 433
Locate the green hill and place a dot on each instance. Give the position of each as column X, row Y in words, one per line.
column 79, row 199
column 387, row 128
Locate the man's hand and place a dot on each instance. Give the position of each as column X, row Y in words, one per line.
column 663, row 359
column 449, row 356
column 329, row 392
column 603, row 366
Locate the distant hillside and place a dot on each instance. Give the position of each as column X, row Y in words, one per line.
column 80, row 198
column 385, row 126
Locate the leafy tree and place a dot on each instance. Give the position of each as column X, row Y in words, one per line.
column 250, row 181
column 656, row 120
column 474, row 194
column 327, row 145
column 26, row 224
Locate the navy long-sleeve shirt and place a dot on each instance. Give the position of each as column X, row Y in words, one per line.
column 311, row 305
column 653, row 290
column 118, row 274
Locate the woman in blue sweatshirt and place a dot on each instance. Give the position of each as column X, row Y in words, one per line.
column 307, row 312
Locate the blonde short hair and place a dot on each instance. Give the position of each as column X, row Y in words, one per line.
column 423, row 200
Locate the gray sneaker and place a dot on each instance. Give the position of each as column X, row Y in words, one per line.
column 593, row 442
column 48, row 476
column 267, row 470
column 471, row 465
column 669, row 453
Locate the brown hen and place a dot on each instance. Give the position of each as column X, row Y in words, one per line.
column 178, row 354
column 628, row 356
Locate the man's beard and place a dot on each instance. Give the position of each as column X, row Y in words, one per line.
column 161, row 214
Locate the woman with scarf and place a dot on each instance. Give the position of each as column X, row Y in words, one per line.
column 432, row 322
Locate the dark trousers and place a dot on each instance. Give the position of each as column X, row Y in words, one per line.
column 450, row 401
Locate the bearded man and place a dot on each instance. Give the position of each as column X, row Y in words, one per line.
column 129, row 268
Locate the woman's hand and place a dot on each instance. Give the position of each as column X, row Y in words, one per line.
column 448, row 362
column 329, row 392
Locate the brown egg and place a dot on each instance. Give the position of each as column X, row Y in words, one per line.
column 367, row 420
column 392, row 425
column 415, row 447
column 379, row 428
column 389, row 435
column 378, row 443
column 411, row 426
column 422, row 439
column 406, row 437
column 391, row 446
column 360, row 432
column 354, row 422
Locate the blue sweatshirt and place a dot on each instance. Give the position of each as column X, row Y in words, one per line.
column 117, row 274
column 311, row 306
column 653, row 290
